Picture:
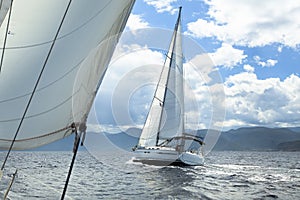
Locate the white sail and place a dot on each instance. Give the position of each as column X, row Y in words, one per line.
column 165, row 117
column 75, row 67
column 173, row 115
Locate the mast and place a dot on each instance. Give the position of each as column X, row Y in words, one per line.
column 153, row 125
column 170, row 58
column 180, row 87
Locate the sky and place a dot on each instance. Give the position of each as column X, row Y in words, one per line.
column 251, row 47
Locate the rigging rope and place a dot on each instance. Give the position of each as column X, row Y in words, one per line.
column 75, row 150
column 36, row 84
column 6, row 33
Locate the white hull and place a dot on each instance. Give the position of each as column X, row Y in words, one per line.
column 167, row 156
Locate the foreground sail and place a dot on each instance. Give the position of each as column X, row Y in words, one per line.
column 54, row 55
column 74, row 64
column 163, row 138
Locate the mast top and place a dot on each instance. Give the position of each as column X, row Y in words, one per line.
column 178, row 19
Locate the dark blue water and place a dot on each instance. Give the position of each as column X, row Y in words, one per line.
column 225, row 175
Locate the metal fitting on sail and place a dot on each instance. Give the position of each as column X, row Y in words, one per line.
column 82, row 129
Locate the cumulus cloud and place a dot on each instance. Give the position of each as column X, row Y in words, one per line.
column 250, row 23
column 136, row 22
column 267, row 63
column 227, row 56
column 162, row 5
column 268, row 102
column 207, row 91
column 249, row 101
column 249, row 68
column 121, row 79
column 131, row 75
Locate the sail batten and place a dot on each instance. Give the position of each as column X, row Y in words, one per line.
column 73, row 71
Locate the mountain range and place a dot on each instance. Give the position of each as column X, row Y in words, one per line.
column 241, row 139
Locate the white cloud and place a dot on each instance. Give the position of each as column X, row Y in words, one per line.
column 227, row 56
column 136, row 22
column 268, row 102
column 162, row 5
column 249, row 68
column 127, row 71
column 128, row 57
column 250, row 23
column 267, row 63
column 206, row 89
column 200, row 92
column 198, row 68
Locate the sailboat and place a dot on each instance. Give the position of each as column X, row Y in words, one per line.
column 54, row 54
column 163, row 139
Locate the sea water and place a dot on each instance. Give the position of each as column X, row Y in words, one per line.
column 112, row 175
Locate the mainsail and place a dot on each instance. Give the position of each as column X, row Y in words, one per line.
column 75, row 64
column 166, row 115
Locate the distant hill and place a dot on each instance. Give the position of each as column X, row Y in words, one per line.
column 255, row 138
column 123, row 140
column 295, row 129
column 65, row 144
column 242, row 139
column 289, row 146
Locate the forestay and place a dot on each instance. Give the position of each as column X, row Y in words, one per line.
column 75, row 67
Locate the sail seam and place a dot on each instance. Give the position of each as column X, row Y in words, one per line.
column 40, row 136
column 46, row 86
column 41, row 113
column 63, row 36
